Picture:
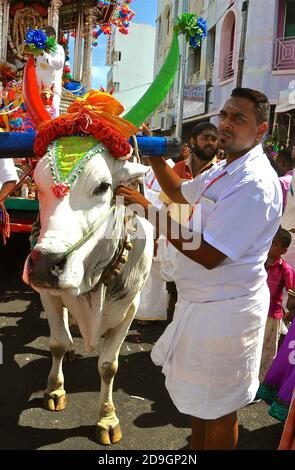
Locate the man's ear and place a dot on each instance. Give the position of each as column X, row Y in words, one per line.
column 192, row 141
column 262, row 129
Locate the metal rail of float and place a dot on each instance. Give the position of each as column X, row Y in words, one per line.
column 21, row 145
column 22, row 211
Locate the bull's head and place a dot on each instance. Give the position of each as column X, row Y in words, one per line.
column 66, row 220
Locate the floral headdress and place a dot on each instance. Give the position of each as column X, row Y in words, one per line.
column 96, row 116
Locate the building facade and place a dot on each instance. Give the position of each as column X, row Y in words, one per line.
column 164, row 118
column 131, row 61
column 65, row 16
column 250, row 43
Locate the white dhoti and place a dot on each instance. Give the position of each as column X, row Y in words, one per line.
column 211, row 353
column 56, row 104
column 154, row 297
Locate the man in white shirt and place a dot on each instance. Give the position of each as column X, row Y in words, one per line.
column 49, row 69
column 8, row 176
column 211, row 351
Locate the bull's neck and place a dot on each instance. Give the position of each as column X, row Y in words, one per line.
column 106, row 250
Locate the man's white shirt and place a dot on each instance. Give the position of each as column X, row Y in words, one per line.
column 53, row 69
column 7, row 171
column 241, row 220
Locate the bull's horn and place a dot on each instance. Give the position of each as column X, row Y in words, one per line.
column 32, row 98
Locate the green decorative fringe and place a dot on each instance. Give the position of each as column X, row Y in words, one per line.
column 193, row 28
column 267, row 393
column 279, row 411
column 51, row 45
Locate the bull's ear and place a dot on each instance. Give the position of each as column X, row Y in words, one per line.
column 131, row 171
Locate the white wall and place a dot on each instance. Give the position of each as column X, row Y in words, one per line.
column 163, row 42
column 134, row 72
column 258, row 67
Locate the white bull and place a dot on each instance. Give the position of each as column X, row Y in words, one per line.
column 74, row 282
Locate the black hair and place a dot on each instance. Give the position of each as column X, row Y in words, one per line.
column 203, row 126
column 286, row 157
column 50, row 31
column 260, row 100
column 284, row 237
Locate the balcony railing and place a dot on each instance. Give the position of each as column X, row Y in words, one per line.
column 207, row 75
column 194, row 78
column 210, row 70
column 110, row 75
column 284, row 54
column 228, row 70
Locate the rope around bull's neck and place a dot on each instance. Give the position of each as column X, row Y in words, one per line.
column 88, row 235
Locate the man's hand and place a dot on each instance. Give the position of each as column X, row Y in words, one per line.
column 131, row 196
column 289, row 316
column 185, row 152
column 145, row 130
column 7, row 187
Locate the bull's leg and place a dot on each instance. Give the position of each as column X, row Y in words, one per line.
column 108, row 429
column 60, row 342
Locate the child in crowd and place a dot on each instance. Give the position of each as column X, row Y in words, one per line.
column 280, row 275
column 285, row 166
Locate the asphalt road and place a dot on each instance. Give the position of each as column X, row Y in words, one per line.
column 148, row 418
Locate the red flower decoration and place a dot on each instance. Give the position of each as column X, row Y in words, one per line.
column 60, row 190
column 67, row 125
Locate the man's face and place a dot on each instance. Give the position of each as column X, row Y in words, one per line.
column 238, row 129
column 206, row 144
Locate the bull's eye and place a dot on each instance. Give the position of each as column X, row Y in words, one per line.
column 101, row 189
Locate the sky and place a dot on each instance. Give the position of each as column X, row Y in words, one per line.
column 145, row 12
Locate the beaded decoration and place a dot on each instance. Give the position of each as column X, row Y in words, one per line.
column 66, row 168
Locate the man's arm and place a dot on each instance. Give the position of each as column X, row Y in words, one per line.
column 57, row 60
column 204, row 253
column 168, row 180
column 6, row 188
column 191, row 244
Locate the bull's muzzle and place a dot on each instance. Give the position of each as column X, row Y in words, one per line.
column 45, row 269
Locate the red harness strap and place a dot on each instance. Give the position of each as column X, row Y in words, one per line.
column 206, row 189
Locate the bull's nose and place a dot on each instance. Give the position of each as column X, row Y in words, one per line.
column 45, row 268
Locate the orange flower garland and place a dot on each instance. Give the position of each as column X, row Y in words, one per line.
column 96, row 114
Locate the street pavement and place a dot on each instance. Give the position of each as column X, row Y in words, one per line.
column 148, row 418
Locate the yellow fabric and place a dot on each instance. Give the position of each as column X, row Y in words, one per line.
column 99, row 104
column 70, row 151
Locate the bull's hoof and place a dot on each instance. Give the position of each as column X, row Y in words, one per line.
column 69, row 356
column 55, row 401
column 108, row 436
